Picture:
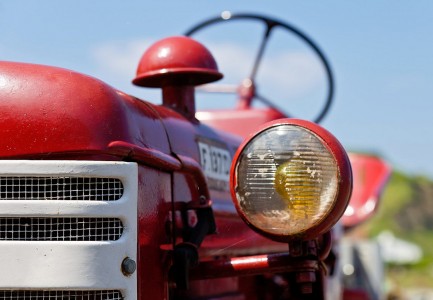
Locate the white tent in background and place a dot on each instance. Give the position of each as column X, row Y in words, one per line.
column 398, row 251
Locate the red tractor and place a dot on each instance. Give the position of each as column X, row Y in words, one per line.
column 106, row 196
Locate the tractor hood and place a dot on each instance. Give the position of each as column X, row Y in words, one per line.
column 49, row 112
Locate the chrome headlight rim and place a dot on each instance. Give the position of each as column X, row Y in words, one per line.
column 344, row 180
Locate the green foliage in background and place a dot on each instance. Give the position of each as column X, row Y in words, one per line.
column 406, row 209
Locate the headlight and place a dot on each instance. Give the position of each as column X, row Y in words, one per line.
column 291, row 180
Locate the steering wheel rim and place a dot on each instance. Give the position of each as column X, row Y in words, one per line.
column 270, row 24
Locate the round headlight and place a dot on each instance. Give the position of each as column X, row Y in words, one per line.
column 292, row 180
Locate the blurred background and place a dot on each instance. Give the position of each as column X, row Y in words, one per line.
column 380, row 53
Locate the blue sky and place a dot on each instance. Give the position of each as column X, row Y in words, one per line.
column 381, row 53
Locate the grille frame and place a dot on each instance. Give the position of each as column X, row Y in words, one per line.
column 71, row 265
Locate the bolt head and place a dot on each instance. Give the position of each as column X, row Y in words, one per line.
column 128, row 266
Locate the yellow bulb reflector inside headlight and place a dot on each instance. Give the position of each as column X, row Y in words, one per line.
column 287, row 180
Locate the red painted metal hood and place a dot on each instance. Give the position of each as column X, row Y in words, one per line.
column 47, row 111
column 370, row 175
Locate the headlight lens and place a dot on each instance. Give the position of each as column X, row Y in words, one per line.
column 287, row 181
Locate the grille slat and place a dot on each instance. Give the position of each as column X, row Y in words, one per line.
column 50, row 295
column 60, row 229
column 60, row 188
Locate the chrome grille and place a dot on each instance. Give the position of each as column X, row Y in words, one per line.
column 60, row 229
column 49, row 295
column 60, row 188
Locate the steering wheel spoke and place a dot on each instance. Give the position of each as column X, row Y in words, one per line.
column 261, row 51
column 270, row 24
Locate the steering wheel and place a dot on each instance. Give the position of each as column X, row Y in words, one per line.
column 247, row 90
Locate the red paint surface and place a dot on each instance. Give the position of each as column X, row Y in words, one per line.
column 49, row 111
column 370, row 174
column 154, row 197
column 241, row 122
column 355, row 295
column 176, row 61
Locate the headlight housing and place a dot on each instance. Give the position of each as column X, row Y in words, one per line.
column 291, row 180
